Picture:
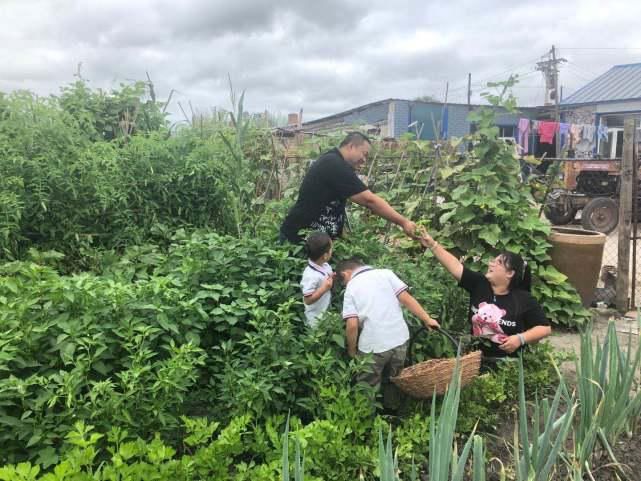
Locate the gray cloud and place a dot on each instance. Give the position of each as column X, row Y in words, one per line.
column 323, row 56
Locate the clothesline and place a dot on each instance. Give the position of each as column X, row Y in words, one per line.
column 547, row 129
column 580, row 159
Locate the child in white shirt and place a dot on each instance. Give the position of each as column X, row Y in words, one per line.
column 318, row 276
column 374, row 322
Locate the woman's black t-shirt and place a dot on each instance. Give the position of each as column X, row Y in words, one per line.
column 496, row 317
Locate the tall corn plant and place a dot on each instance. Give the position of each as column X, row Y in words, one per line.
column 608, row 396
column 240, row 188
column 536, row 454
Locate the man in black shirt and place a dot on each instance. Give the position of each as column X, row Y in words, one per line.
column 327, row 185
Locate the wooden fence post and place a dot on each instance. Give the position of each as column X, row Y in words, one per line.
column 625, row 216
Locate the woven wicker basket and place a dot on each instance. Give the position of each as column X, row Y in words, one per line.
column 422, row 379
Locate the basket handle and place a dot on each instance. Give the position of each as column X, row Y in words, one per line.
column 422, row 329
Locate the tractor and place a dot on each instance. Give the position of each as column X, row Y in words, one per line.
column 591, row 186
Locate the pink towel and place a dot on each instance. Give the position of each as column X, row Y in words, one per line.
column 524, row 132
column 547, row 131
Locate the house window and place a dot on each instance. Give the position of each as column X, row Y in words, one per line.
column 507, row 131
column 612, row 148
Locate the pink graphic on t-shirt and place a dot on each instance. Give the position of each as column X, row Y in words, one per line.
column 485, row 323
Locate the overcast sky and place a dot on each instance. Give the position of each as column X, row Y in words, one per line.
column 322, row 56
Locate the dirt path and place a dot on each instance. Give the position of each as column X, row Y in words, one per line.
column 570, row 341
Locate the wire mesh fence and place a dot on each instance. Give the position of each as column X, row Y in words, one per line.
column 586, row 194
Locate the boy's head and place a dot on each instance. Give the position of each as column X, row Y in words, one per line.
column 345, row 269
column 319, row 246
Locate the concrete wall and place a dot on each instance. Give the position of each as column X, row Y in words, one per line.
column 509, row 120
column 398, row 118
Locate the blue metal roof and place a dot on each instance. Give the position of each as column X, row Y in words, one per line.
column 621, row 82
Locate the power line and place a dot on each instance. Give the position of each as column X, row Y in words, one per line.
column 511, row 70
column 600, row 48
column 578, row 71
column 483, row 84
column 603, row 53
column 484, row 81
column 572, row 71
column 576, row 67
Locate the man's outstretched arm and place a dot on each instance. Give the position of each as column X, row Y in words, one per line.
column 380, row 207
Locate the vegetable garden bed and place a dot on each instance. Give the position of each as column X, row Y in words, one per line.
column 151, row 326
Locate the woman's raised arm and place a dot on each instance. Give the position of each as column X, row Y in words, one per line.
column 451, row 263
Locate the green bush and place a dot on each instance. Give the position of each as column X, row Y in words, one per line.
column 128, row 369
column 73, row 178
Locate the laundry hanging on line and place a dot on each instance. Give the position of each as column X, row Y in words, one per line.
column 564, row 130
column 576, row 132
column 547, row 130
column 588, row 132
column 523, row 135
column 570, row 134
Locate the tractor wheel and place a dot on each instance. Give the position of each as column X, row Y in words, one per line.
column 559, row 209
column 600, row 214
column 559, row 215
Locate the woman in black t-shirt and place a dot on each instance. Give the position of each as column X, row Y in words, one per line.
column 501, row 306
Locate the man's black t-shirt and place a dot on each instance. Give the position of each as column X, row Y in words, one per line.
column 328, row 183
column 496, row 317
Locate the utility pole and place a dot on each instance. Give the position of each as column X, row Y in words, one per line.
column 469, row 107
column 444, row 114
column 557, row 112
column 550, row 70
column 469, row 91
